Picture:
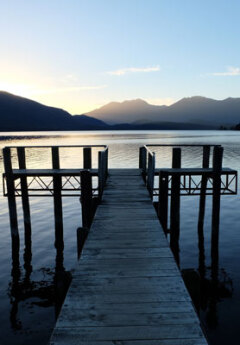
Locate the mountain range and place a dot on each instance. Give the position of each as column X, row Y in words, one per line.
column 195, row 110
column 22, row 114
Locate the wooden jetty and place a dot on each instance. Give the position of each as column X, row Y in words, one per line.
column 127, row 288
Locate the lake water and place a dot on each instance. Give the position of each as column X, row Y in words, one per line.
column 28, row 303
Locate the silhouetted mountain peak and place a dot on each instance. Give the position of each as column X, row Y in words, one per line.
column 128, row 103
column 194, row 100
column 22, row 114
column 196, row 109
column 137, row 101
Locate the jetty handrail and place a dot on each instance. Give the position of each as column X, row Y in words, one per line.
column 190, row 185
column 55, row 171
column 181, row 145
column 87, row 153
column 145, row 151
column 19, row 182
column 49, row 146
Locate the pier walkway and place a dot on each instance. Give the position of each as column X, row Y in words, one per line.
column 127, row 288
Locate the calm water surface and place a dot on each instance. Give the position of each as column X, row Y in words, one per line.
column 29, row 300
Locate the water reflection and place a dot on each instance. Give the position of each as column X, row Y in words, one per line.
column 207, row 285
column 44, row 293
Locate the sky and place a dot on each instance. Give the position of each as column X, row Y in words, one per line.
column 81, row 54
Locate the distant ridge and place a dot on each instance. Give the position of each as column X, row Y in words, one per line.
column 196, row 110
column 22, row 114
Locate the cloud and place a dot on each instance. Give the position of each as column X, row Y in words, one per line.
column 231, row 71
column 124, row 71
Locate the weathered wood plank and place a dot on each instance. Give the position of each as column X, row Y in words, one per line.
column 99, row 264
column 125, row 243
column 62, row 339
column 152, row 306
column 154, row 224
column 106, row 235
column 87, row 299
column 134, row 332
column 108, row 253
column 129, row 285
column 73, row 317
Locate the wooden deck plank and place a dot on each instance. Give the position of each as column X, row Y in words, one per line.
column 134, row 332
column 126, row 288
column 63, row 339
column 88, row 299
column 99, row 318
column 126, row 253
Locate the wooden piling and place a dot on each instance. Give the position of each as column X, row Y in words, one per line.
column 202, row 202
column 205, row 164
column 25, row 198
column 57, row 186
column 175, row 201
column 11, row 200
column 217, row 167
column 163, row 200
column 87, row 158
column 86, row 198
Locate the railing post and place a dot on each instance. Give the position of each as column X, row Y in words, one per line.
column 206, row 156
column 106, row 163
column 143, row 161
column 57, row 186
column 11, row 200
column 141, row 153
column 175, row 199
column 151, row 173
column 163, row 200
column 100, row 183
column 87, row 158
column 148, row 170
column 217, row 167
column 101, row 173
column 25, row 198
column 86, row 198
